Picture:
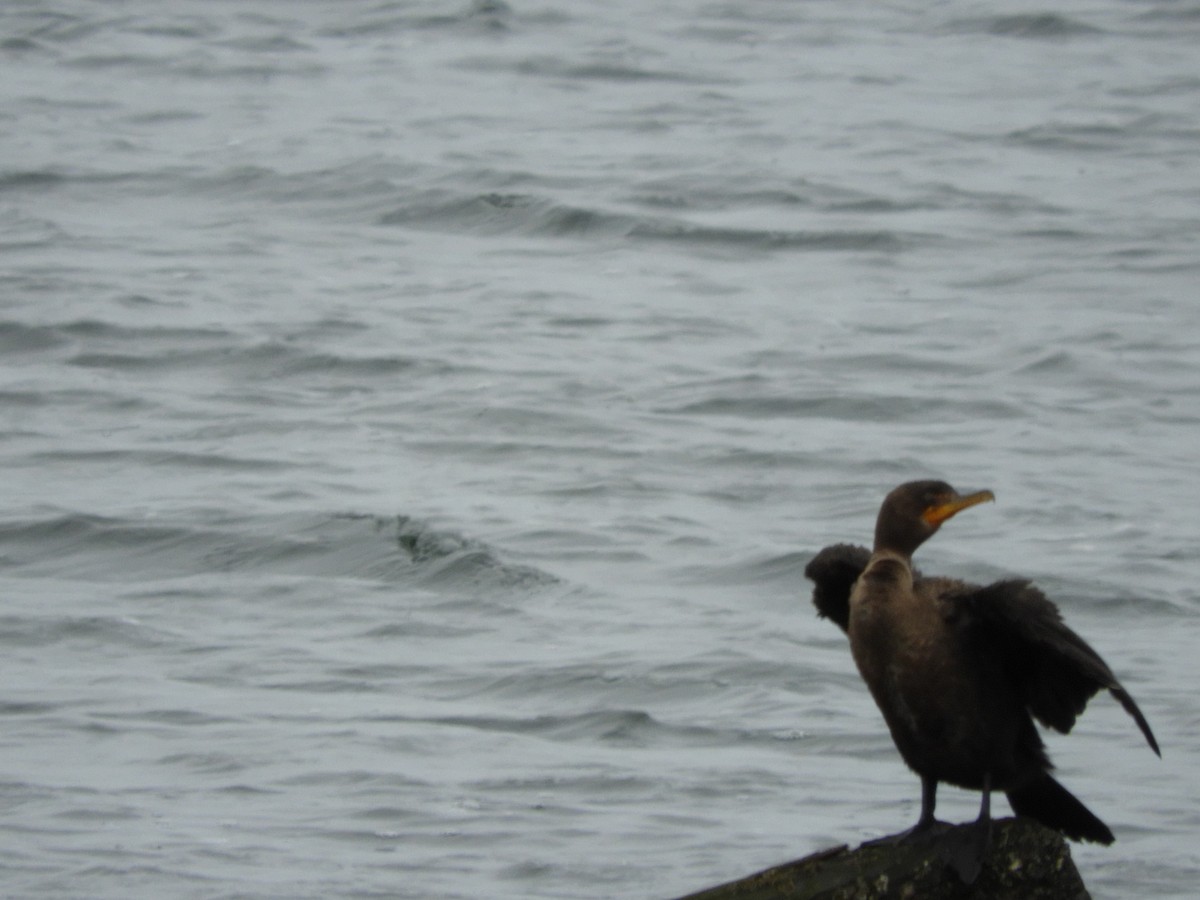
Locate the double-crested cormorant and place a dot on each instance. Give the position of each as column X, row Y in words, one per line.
column 961, row 671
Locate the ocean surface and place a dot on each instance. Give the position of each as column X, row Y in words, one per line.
column 415, row 418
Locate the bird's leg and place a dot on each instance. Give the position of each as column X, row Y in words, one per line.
column 927, row 826
column 984, row 821
column 928, row 802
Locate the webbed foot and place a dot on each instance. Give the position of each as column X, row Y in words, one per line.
column 964, row 849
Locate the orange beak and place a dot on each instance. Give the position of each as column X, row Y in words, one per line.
column 938, row 513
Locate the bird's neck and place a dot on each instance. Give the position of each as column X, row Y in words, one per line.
column 883, row 549
column 886, row 571
column 899, row 537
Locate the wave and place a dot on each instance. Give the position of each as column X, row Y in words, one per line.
column 30, row 179
column 401, row 549
column 447, row 557
column 873, row 407
column 300, row 353
column 409, row 196
column 546, row 66
column 25, row 631
column 622, row 727
column 534, row 216
column 1038, row 26
column 1092, row 137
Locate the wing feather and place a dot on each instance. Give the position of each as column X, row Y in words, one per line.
column 1055, row 670
column 833, row 572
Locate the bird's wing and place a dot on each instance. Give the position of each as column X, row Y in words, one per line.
column 1055, row 670
column 833, row 572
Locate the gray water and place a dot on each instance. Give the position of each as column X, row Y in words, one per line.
column 417, row 417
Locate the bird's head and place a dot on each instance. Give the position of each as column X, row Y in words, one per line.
column 914, row 511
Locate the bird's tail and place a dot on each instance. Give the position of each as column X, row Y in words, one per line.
column 1053, row 805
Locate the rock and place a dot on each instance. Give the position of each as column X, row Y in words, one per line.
column 1025, row 861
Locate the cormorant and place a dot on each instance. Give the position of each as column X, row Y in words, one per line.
column 961, row 671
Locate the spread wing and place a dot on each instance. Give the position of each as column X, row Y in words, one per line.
column 1054, row 670
column 833, row 572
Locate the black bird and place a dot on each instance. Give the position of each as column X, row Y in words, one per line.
column 961, row 671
